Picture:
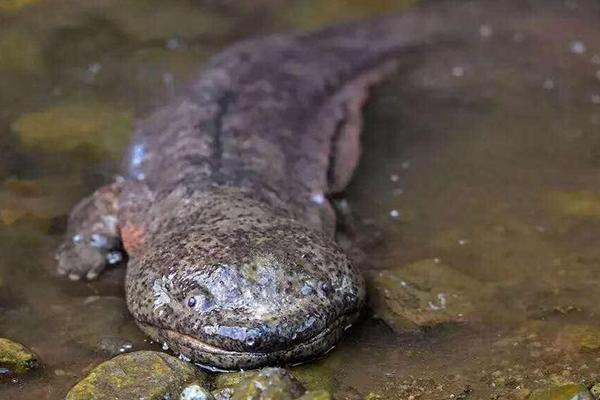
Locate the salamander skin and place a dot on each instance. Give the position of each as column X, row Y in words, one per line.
column 224, row 212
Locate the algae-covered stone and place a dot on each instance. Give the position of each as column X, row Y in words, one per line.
column 70, row 125
column 319, row 375
column 268, row 384
column 146, row 375
column 316, row 395
column 16, row 358
column 422, row 294
column 264, row 384
column 20, row 52
column 564, row 392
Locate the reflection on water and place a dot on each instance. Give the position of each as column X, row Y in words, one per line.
column 483, row 155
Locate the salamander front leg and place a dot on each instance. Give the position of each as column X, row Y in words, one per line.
column 93, row 241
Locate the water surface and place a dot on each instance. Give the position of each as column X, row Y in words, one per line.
column 483, row 155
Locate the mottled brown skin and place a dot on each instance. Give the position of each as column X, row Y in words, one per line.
column 223, row 212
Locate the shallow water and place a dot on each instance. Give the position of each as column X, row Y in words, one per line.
column 483, row 154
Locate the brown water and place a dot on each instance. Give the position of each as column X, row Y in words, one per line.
column 482, row 154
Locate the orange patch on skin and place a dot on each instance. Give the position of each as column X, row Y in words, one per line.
column 132, row 237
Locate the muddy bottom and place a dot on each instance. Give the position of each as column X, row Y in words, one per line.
column 481, row 159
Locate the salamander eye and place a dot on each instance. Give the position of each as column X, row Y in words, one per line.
column 199, row 301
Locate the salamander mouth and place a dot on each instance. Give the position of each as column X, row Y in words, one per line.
column 216, row 358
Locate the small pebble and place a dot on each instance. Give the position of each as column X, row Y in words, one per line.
column 548, row 84
column 486, row 31
column 458, row 72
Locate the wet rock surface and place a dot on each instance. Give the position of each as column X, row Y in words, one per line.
column 16, row 358
column 140, row 375
column 195, row 392
column 422, row 294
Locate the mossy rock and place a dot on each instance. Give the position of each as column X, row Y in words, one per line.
column 268, row 384
column 564, row 392
column 149, row 375
column 264, row 384
column 68, row 126
column 16, row 358
column 21, row 52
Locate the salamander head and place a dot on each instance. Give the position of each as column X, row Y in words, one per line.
column 235, row 286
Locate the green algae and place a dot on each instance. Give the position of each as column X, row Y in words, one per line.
column 16, row 358
column 319, row 375
column 15, row 5
column 144, row 374
column 68, row 126
column 563, row 392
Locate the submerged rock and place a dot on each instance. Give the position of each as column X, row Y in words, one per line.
column 264, row 384
column 564, row 392
column 577, row 204
column 422, row 294
column 582, row 338
column 21, row 52
column 15, row 5
column 16, row 358
column 319, row 375
column 71, row 125
column 146, row 375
